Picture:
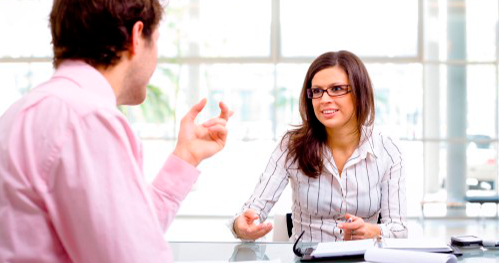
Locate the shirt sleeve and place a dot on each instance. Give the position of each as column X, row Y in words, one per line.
column 268, row 190
column 393, row 188
column 170, row 187
column 97, row 198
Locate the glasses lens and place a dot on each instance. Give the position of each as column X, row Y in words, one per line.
column 317, row 92
column 338, row 90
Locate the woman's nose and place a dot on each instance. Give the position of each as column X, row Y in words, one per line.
column 325, row 98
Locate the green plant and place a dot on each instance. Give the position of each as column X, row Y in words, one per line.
column 156, row 107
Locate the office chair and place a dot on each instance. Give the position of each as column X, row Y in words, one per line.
column 283, row 225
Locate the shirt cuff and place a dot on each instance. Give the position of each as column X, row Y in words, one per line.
column 176, row 177
column 384, row 231
column 230, row 225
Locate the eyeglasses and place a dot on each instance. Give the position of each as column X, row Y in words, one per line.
column 333, row 91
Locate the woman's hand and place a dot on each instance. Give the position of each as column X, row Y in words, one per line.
column 245, row 228
column 357, row 228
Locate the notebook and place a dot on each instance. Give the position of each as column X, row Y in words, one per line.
column 384, row 255
column 424, row 245
column 342, row 249
column 357, row 248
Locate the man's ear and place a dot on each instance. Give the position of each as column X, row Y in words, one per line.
column 136, row 38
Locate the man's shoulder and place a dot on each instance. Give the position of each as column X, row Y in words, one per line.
column 65, row 93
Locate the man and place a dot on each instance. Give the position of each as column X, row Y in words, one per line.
column 71, row 181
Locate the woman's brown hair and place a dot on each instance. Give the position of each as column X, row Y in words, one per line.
column 97, row 31
column 306, row 143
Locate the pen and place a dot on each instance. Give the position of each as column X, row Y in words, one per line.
column 349, row 220
column 379, row 241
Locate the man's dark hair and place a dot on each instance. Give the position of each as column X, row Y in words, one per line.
column 97, row 31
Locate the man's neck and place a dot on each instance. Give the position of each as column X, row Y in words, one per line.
column 115, row 77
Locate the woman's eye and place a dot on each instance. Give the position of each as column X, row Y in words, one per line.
column 316, row 91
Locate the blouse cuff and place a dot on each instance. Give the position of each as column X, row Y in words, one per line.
column 230, row 225
column 384, row 231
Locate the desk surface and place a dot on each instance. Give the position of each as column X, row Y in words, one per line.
column 236, row 251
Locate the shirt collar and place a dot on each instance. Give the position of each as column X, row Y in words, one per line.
column 366, row 142
column 88, row 78
column 364, row 148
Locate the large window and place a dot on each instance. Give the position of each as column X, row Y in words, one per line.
column 434, row 66
column 366, row 28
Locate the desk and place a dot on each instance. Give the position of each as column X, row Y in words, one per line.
column 237, row 251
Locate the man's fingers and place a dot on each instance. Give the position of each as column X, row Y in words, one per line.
column 217, row 128
column 196, row 109
column 218, row 132
column 224, row 111
column 215, row 121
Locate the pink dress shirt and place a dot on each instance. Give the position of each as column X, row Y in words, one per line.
column 71, row 182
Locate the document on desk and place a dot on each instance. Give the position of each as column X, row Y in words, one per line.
column 358, row 247
column 342, row 249
column 216, row 261
column 384, row 255
column 425, row 245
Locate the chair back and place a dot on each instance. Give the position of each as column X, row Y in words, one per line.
column 282, row 227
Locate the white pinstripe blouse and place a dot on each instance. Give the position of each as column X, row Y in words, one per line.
column 372, row 183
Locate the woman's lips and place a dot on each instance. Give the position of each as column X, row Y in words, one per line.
column 329, row 112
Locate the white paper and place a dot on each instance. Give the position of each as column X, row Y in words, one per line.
column 346, row 248
column 428, row 244
column 383, row 255
column 214, row 261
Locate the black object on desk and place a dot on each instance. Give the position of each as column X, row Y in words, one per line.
column 466, row 241
column 299, row 252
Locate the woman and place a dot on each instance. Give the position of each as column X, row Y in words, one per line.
column 343, row 174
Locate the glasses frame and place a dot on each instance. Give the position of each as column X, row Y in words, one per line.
column 310, row 94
